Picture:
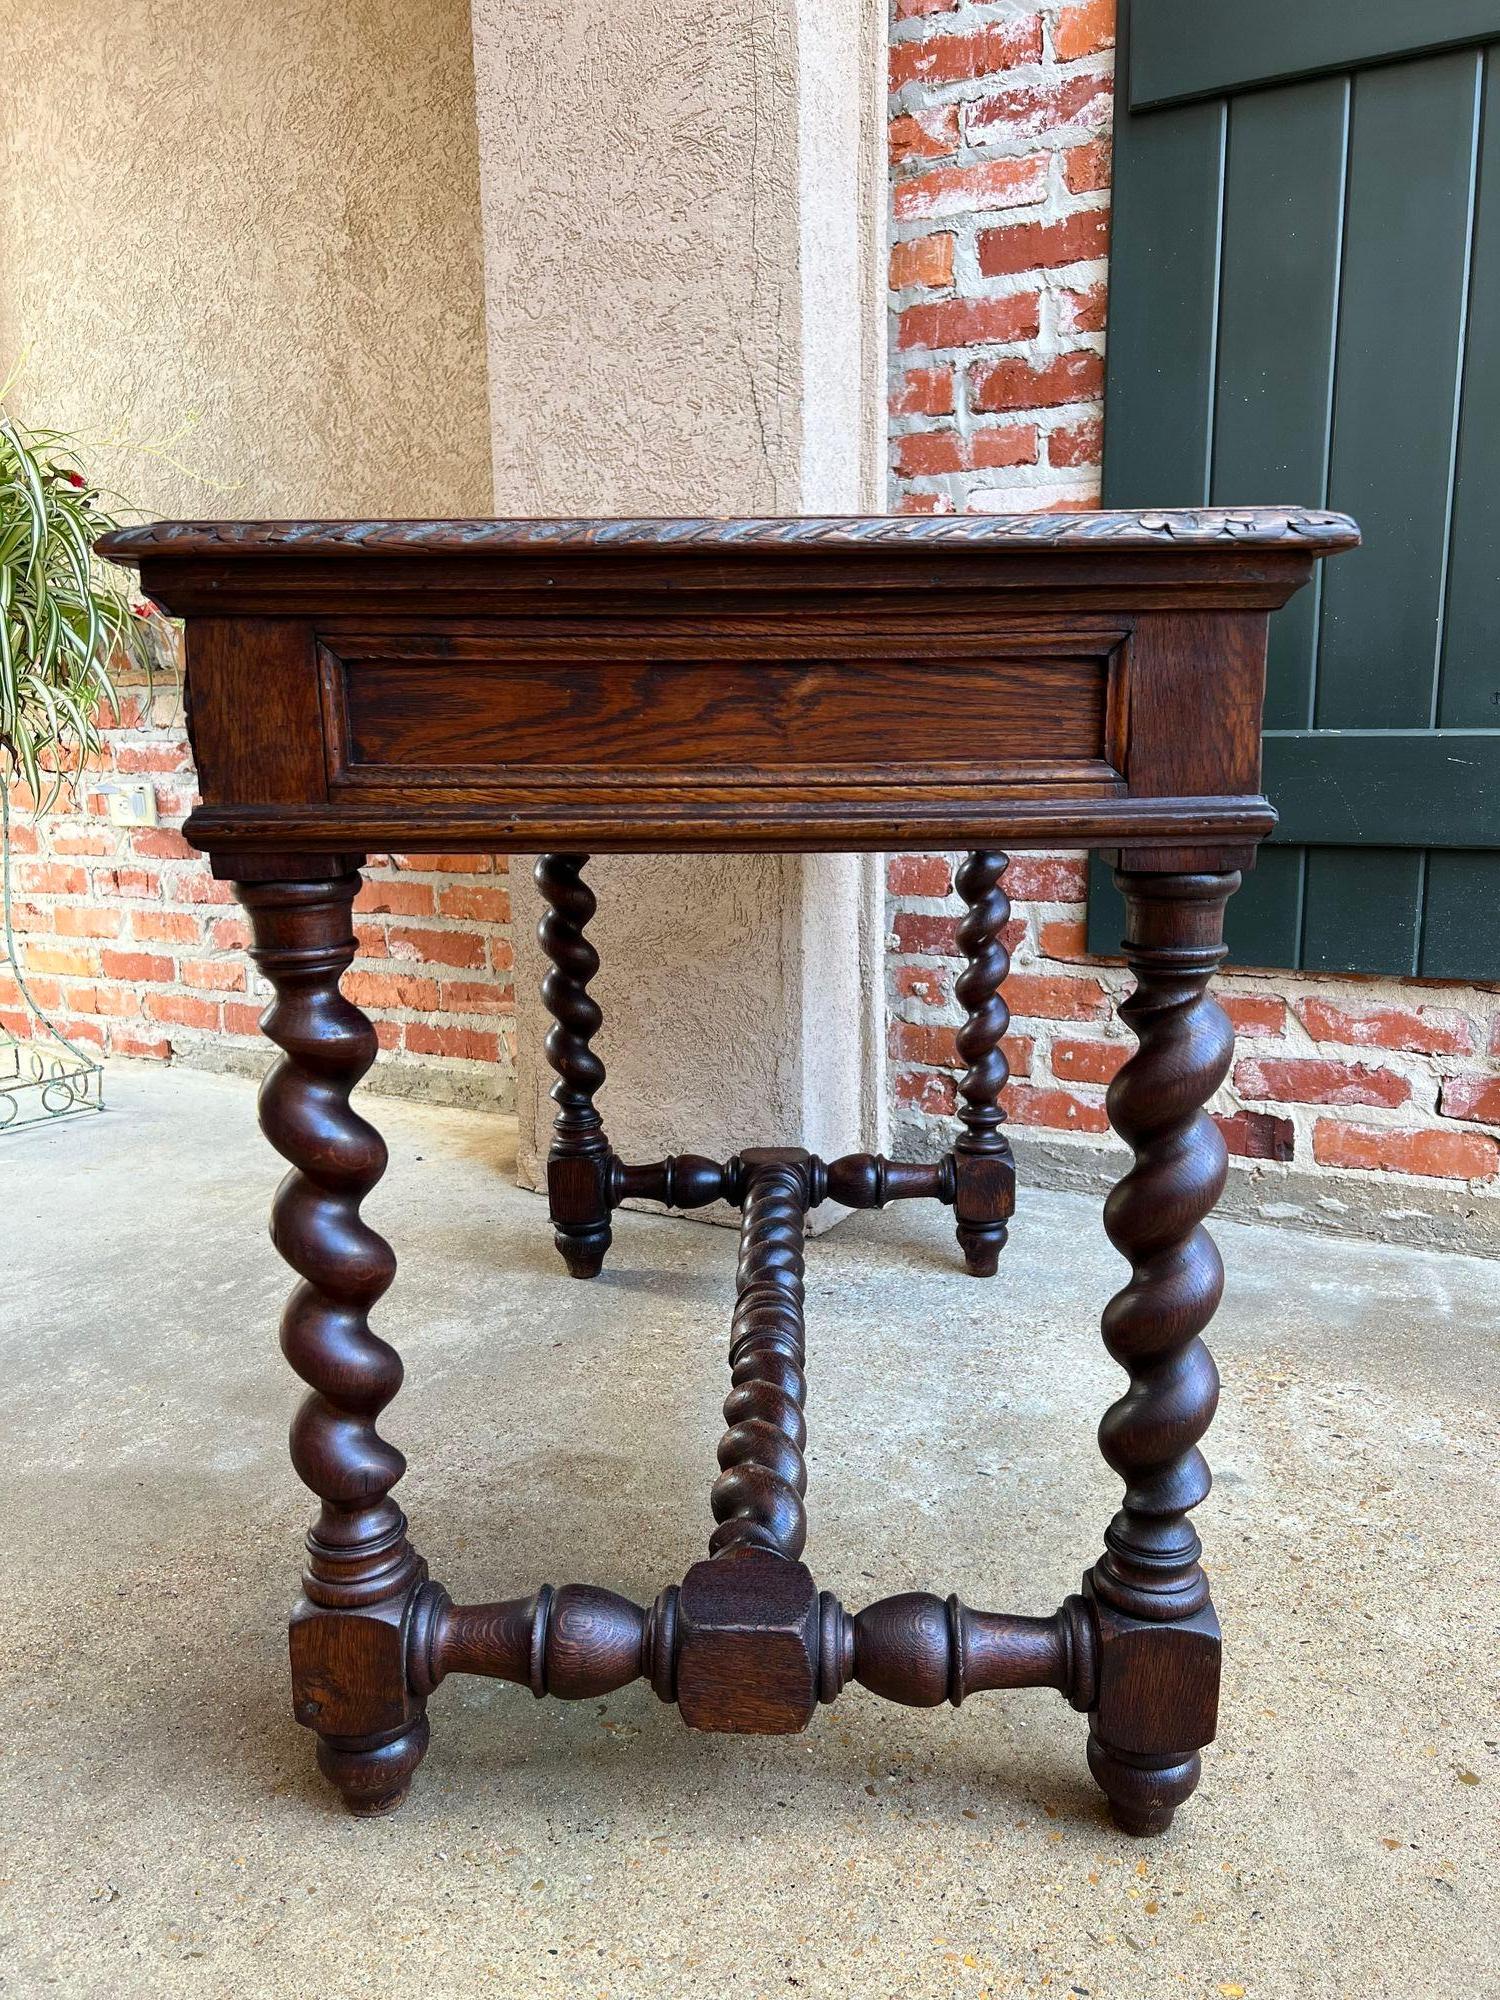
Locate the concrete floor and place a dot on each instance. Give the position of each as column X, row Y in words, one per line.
column 163, row 1829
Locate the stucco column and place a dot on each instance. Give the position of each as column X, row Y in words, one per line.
column 683, row 207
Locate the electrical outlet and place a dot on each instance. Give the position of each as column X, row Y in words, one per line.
column 131, row 805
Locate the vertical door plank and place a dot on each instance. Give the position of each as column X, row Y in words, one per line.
column 1461, row 928
column 1400, row 325
column 1283, row 225
column 1160, row 363
column 1106, row 917
column 1306, row 304
column 1469, row 687
column 1266, row 925
column 1362, row 909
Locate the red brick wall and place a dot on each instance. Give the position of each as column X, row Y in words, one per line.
column 1375, row 1075
column 1000, row 209
column 1000, row 204
column 133, row 949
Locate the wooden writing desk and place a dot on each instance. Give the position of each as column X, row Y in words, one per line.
column 743, row 686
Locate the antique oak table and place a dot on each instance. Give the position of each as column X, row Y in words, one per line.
column 575, row 687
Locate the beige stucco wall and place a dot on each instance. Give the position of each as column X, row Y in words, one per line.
column 684, row 215
column 640, row 239
column 266, row 215
column 684, row 207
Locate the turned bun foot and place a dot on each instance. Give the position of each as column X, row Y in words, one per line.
column 981, row 1248
column 583, row 1255
column 1143, row 1793
column 373, row 1777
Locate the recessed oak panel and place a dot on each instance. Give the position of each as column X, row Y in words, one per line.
column 669, row 716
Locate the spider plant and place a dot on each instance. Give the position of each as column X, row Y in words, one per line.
column 65, row 621
column 64, row 617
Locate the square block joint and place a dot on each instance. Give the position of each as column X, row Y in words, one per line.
column 747, row 1661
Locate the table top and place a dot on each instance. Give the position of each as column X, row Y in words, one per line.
column 731, row 685
column 1318, row 531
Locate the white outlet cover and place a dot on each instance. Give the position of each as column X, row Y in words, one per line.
column 132, row 805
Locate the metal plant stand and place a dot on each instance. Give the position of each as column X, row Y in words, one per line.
column 42, row 1074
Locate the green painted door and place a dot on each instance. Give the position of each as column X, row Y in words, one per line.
column 1305, row 307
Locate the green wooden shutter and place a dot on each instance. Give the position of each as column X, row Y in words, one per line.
column 1305, row 307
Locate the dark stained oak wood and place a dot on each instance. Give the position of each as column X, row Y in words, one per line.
column 837, row 815
column 779, row 666
column 682, row 1181
column 579, row 1161
column 870, row 1180
column 414, row 713
column 984, row 1174
column 228, row 757
column 748, row 1643
column 568, row 688
column 854, row 1180
column 348, row 1632
column 1156, row 1623
column 575, row 1643
column 1271, row 529
column 922, row 1650
column 758, row 1495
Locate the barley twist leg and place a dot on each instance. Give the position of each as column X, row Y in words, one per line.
column 1159, row 1641
column 578, row 1164
column 348, row 1630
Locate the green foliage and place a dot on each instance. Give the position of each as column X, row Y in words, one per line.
column 65, row 617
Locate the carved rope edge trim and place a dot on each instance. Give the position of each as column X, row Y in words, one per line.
column 1260, row 527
